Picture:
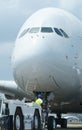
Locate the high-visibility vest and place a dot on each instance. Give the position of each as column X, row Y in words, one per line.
column 38, row 101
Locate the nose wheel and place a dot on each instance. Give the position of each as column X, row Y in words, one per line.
column 51, row 123
column 61, row 121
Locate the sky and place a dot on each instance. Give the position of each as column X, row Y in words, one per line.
column 13, row 13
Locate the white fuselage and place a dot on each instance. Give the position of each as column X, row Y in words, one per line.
column 47, row 61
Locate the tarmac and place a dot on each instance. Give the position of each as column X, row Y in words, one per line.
column 70, row 127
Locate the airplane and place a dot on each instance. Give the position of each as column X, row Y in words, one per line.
column 47, row 60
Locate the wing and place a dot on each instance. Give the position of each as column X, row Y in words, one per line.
column 11, row 90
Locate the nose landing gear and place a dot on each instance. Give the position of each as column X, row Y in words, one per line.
column 50, row 121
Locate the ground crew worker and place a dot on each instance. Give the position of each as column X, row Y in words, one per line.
column 39, row 101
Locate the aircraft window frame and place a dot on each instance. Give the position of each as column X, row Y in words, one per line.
column 64, row 33
column 24, row 32
column 46, row 30
column 34, row 30
column 58, row 32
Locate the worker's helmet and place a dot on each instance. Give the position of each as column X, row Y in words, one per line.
column 40, row 95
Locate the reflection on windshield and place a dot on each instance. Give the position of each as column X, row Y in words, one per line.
column 64, row 33
column 24, row 32
column 58, row 32
column 46, row 30
column 34, row 30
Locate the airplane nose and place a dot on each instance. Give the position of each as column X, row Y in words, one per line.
column 35, row 53
column 34, row 45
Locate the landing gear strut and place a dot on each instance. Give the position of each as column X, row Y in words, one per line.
column 50, row 121
column 45, row 108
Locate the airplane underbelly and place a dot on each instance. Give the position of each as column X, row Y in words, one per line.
column 42, row 76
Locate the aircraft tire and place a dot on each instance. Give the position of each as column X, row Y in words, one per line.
column 18, row 120
column 51, row 123
column 64, row 123
column 36, row 121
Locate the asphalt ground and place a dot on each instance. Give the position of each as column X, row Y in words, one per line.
column 69, row 127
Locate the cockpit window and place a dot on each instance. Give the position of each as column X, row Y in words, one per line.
column 58, row 32
column 64, row 33
column 46, row 30
column 61, row 32
column 34, row 30
column 24, row 32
